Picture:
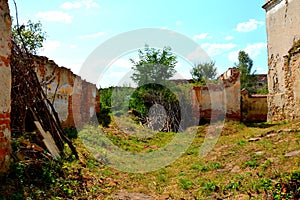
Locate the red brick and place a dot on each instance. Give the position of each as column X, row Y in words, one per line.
column 5, row 60
column 5, row 121
column 3, row 152
column 3, row 139
column 5, row 115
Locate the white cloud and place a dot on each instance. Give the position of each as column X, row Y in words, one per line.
column 202, row 36
column 79, row 4
column 253, row 50
column 73, row 46
column 198, row 55
column 251, row 25
column 55, row 16
column 94, row 35
column 179, row 23
column 217, row 49
column 90, row 4
column 49, row 46
column 229, row 37
column 233, row 56
column 71, row 5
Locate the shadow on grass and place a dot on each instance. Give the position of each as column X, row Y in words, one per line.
column 260, row 124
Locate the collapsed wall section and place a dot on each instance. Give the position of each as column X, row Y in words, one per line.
column 5, row 85
column 75, row 100
column 218, row 101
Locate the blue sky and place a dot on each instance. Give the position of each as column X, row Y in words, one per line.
column 76, row 28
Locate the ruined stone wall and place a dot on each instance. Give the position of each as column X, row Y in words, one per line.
column 5, row 85
column 283, row 30
column 254, row 108
column 216, row 101
column 75, row 100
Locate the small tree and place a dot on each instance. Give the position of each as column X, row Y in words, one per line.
column 204, row 71
column 245, row 66
column 30, row 36
column 151, row 73
column 154, row 66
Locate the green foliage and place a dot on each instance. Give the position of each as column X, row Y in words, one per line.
column 148, row 96
column 241, row 143
column 113, row 100
column 210, row 186
column 30, row 36
column 251, row 163
column 204, row 71
column 215, row 165
column 72, row 133
column 210, row 166
column 105, row 97
column 154, row 66
column 120, row 100
column 245, row 64
column 262, row 90
column 186, row 183
column 103, row 117
column 201, row 168
column 233, row 185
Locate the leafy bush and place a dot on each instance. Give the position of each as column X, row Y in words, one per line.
column 146, row 97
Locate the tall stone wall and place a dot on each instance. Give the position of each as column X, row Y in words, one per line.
column 283, row 30
column 218, row 101
column 5, row 85
column 75, row 100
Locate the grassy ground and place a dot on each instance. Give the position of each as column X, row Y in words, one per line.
column 247, row 162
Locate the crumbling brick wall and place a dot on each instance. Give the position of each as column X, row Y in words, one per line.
column 75, row 100
column 254, row 108
column 218, row 101
column 5, row 85
column 289, row 108
column 283, row 31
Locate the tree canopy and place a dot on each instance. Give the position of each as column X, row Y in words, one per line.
column 153, row 100
column 30, row 36
column 245, row 64
column 154, row 66
column 204, row 71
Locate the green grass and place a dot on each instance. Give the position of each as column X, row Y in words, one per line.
column 260, row 167
column 259, row 163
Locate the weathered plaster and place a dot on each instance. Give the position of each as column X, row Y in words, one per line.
column 218, row 101
column 75, row 100
column 5, row 85
column 283, row 30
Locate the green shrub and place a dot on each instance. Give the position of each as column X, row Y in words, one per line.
column 186, row 183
